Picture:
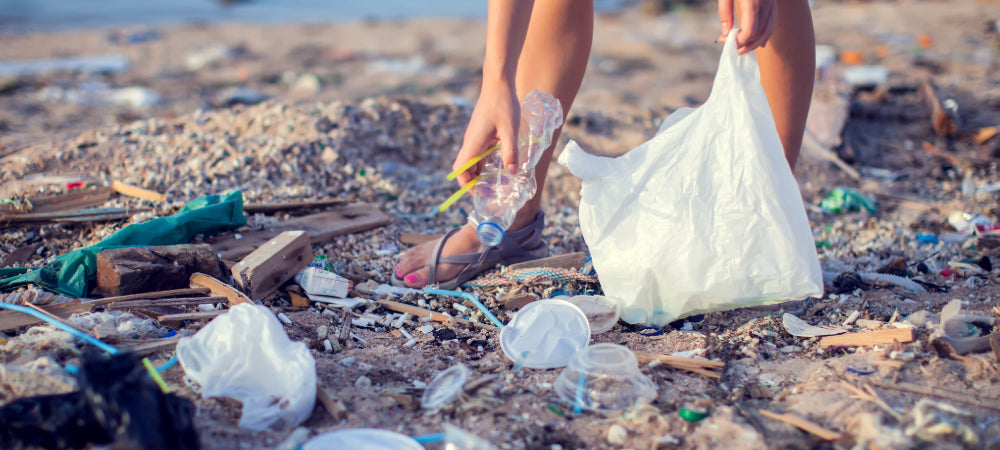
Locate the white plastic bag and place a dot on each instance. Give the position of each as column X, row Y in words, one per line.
column 245, row 354
column 706, row 216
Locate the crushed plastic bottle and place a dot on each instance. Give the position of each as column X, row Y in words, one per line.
column 499, row 195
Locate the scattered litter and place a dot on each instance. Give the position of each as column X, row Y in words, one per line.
column 798, row 328
column 866, row 76
column 545, row 334
column 242, row 354
column 320, row 282
column 905, row 283
column 445, row 387
column 844, row 199
column 692, row 415
column 604, row 377
column 602, row 312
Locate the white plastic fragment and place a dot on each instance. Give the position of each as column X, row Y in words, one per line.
column 851, row 318
column 323, row 282
column 426, row 329
column 284, row 319
column 905, row 283
column 797, row 327
column 460, row 307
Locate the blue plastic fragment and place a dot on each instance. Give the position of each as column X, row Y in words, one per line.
column 927, row 238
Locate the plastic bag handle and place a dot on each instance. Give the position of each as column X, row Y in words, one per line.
column 734, row 69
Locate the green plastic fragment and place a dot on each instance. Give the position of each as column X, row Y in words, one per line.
column 556, row 410
column 822, row 244
column 843, row 199
column 692, row 415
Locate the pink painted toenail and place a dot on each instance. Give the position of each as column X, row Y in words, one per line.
column 399, row 272
column 411, row 278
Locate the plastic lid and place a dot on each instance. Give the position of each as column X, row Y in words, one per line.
column 545, row 334
column 362, row 438
column 489, row 233
column 602, row 312
column 445, row 387
column 604, row 377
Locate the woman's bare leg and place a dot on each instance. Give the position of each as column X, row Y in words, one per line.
column 553, row 59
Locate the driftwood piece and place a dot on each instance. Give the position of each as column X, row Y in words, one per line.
column 863, row 339
column 82, row 216
column 802, row 424
column 151, row 295
column 567, row 261
column 151, row 346
column 267, row 268
column 131, row 270
column 70, row 201
column 321, row 228
column 291, row 206
column 183, row 301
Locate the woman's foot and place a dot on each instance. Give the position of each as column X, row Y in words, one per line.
column 458, row 256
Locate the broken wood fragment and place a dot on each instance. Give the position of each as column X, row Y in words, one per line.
column 151, row 346
column 218, row 288
column 943, row 121
column 567, row 261
column 345, row 326
column 201, row 315
column 82, row 216
column 698, row 366
column 298, row 300
column 74, row 200
column 802, row 424
column 321, row 227
column 151, row 295
column 332, row 404
column 131, row 270
column 183, row 301
column 977, row 400
column 135, row 191
column 866, row 338
column 267, row 268
column 289, row 206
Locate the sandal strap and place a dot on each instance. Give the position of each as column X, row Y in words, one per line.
column 436, row 257
column 511, row 246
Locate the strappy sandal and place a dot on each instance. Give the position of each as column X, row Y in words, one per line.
column 517, row 246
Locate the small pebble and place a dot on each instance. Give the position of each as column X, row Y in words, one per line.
column 363, row 382
column 617, row 435
column 349, row 361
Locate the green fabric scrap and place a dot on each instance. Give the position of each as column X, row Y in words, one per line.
column 74, row 273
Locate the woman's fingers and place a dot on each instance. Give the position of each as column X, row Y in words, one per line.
column 725, row 18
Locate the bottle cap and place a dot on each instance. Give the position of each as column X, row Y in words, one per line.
column 489, row 233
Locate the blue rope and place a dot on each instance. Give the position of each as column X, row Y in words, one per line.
column 469, row 297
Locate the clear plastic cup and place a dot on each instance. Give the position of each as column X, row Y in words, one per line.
column 602, row 312
column 445, row 387
column 605, row 378
column 366, row 438
column 545, row 334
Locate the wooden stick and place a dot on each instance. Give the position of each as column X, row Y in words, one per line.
column 802, row 424
column 57, row 319
column 200, row 280
column 201, row 315
column 151, row 295
column 698, row 366
column 864, row 339
column 137, row 192
column 183, row 301
column 567, row 261
column 977, row 400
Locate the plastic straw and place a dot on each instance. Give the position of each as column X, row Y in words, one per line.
column 458, row 194
column 156, row 376
column 429, row 438
column 469, row 297
column 472, row 162
column 73, row 331
column 167, row 364
column 581, row 384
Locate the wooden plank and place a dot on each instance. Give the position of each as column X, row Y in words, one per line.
column 567, row 261
column 152, row 346
column 290, row 206
column 218, row 288
column 151, row 295
column 130, row 270
column 135, row 191
column 76, row 199
column 10, row 320
column 200, row 315
column 321, row 228
column 803, row 425
column 183, row 301
column 264, row 270
column 82, row 216
column 863, row 339
column 20, row 255
column 417, row 238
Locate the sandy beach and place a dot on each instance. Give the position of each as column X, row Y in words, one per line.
column 374, row 111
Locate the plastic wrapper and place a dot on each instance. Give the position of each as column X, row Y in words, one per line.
column 706, row 216
column 246, row 355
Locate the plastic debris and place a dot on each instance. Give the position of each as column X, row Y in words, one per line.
column 866, row 76
column 323, row 283
column 445, row 387
column 602, row 312
column 362, row 438
column 85, row 64
column 844, row 199
column 604, row 377
column 545, row 334
column 798, row 328
column 245, row 354
column 905, row 283
column 456, row 438
column 927, row 239
column 692, row 414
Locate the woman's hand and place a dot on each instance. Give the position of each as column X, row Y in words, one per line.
column 756, row 22
column 496, row 118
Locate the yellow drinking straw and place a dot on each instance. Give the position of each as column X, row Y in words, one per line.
column 458, row 194
column 472, row 162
